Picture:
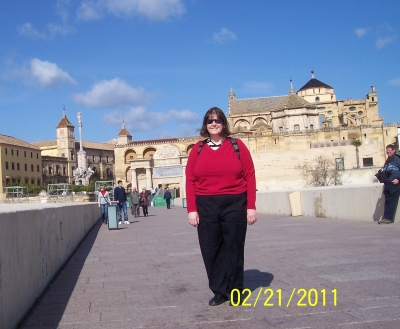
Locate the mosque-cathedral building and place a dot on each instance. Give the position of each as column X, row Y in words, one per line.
column 281, row 132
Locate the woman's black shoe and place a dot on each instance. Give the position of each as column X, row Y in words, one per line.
column 218, row 299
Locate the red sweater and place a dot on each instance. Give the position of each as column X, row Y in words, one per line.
column 220, row 172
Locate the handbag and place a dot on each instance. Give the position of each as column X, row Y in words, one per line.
column 141, row 199
column 381, row 176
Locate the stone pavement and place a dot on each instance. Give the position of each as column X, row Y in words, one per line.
column 150, row 274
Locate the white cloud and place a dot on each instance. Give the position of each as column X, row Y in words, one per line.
column 152, row 9
column 139, row 119
column 114, row 93
column 385, row 35
column 383, row 41
column 60, row 29
column 361, row 32
column 28, row 30
column 394, row 82
column 256, row 87
column 224, row 36
column 49, row 74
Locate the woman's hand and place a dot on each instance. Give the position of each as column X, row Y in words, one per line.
column 251, row 216
column 395, row 181
column 193, row 217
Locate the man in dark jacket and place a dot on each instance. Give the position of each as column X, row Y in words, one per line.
column 120, row 197
column 168, row 197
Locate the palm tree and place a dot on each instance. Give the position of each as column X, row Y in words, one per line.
column 357, row 143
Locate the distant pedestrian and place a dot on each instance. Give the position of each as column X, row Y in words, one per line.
column 144, row 202
column 391, row 186
column 103, row 199
column 168, row 197
column 135, row 207
column 120, row 197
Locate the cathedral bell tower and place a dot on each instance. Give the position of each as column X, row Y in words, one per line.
column 66, row 142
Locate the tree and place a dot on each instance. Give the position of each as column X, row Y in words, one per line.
column 322, row 172
column 357, row 143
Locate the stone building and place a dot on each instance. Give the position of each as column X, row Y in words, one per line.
column 60, row 155
column 19, row 161
column 281, row 132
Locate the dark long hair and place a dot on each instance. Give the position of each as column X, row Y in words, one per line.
column 220, row 115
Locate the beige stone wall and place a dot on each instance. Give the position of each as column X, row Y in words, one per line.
column 275, row 156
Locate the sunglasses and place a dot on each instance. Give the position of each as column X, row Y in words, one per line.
column 210, row 121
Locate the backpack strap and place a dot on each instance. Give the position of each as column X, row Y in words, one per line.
column 233, row 142
column 235, row 146
column 201, row 146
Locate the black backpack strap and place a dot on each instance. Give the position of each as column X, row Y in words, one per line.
column 201, row 146
column 235, row 146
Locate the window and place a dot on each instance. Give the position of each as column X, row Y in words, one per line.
column 296, row 127
column 12, row 152
column 6, row 164
column 26, row 167
column 107, row 158
column 281, row 129
column 12, row 165
column 329, row 112
column 31, row 155
column 311, row 127
column 32, row 181
column 64, row 171
column 6, row 150
column 108, row 172
column 38, row 182
column 352, row 108
column 17, row 153
column 360, row 113
column 321, row 120
column 57, row 170
column 373, row 99
column 31, row 167
column 50, row 170
column 321, row 108
column 339, row 164
column 317, row 99
column 72, row 155
column 25, row 154
column 94, row 158
column 38, row 168
column 368, row 162
column 264, row 148
column 17, row 165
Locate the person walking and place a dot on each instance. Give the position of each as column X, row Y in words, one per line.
column 103, row 200
column 135, row 207
column 144, row 202
column 120, row 198
column 168, row 197
column 221, row 196
column 391, row 186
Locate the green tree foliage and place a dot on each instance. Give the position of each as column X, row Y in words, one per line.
column 357, row 143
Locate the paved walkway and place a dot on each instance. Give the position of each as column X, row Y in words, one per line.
column 150, row 274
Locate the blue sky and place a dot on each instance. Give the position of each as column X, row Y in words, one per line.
column 160, row 64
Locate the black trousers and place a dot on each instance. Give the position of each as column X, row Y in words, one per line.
column 222, row 233
column 168, row 201
column 392, row 193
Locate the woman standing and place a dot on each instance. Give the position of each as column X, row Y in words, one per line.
column 144, row 202
column 391, row 186
column 221, row 195
column 103, row 200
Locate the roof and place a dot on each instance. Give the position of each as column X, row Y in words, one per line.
column 64, row 122
column 293, row 101
column 89, row 145
column 45, row 143
column 254, row 105
column 4, row 139
column 314, row 83
column 124, row 132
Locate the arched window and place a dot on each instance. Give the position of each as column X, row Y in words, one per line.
column 311, row 127
column 317, row 99
column 322, row 118
column 296, row 127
